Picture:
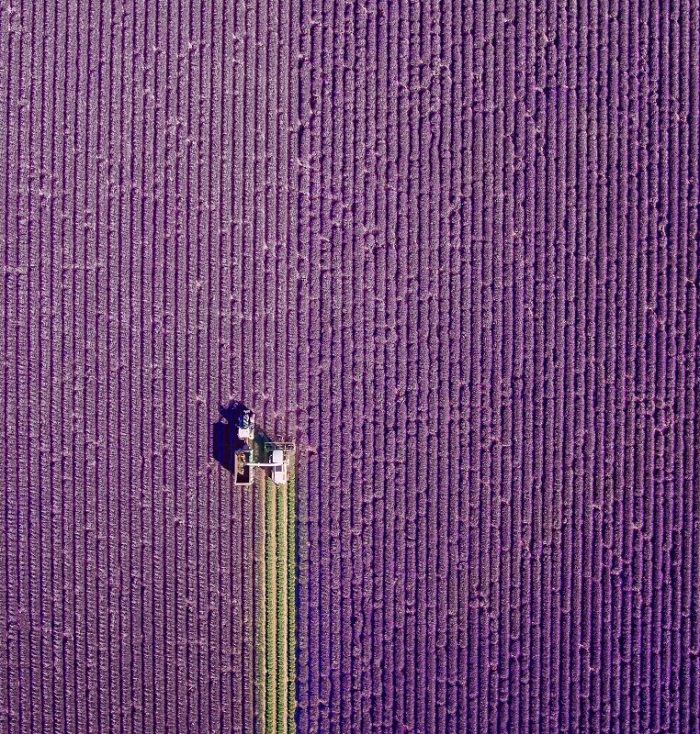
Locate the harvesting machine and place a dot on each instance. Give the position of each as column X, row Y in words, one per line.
column 276, row 456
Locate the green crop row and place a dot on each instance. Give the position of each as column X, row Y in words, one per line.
column 275, row 609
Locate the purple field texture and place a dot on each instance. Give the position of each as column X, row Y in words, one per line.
column 450, row 249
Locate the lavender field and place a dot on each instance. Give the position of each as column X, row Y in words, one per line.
column 450, row 250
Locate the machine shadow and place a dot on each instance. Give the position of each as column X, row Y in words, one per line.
column 225, row 439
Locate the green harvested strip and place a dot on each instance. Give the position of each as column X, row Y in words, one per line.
column 271, row 609
column 291, row 603
column 282, row 611
column 275, row 611
column 259, row 609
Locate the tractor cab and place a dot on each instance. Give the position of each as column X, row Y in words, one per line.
column 246, row 425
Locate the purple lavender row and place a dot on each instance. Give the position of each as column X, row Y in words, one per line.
column 531, row 292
